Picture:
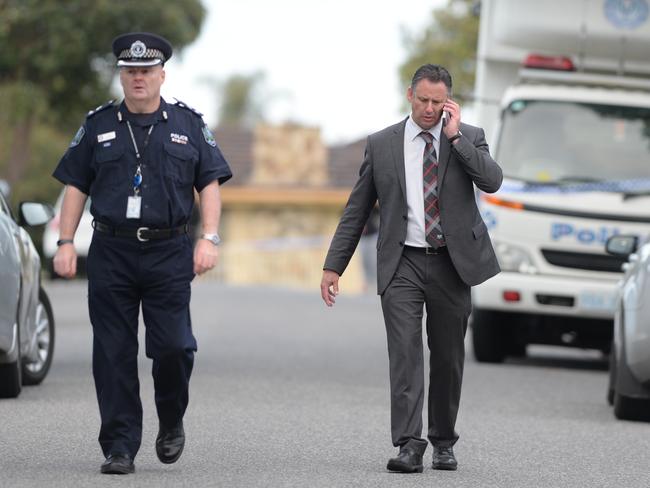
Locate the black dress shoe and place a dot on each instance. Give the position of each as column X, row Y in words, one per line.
column 443, row 458
column 407, row 461
column 118, row 464
column 170, row 443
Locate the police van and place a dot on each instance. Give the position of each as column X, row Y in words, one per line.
column 565, row 101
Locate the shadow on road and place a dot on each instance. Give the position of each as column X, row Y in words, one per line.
column 562, row 358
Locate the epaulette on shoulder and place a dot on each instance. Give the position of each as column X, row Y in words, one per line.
column 187, row 107
column 100, row 108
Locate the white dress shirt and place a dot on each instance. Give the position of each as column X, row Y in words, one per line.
column 413, row 160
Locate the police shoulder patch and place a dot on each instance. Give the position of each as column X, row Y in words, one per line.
column 78, row 136
column 100, row 108
column 207, row 135
column 187, row 107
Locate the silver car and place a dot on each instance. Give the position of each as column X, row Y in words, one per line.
column 629, row 382
column 26, row 320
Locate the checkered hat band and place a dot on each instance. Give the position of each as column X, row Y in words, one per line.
column 148, row 54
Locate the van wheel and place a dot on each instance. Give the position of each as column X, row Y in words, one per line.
column 10, row 374
column 490, row 332
column 34, row 373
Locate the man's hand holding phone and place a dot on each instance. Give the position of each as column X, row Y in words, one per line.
column 451, row 114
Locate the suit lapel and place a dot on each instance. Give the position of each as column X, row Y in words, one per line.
column 443, row 159
column 397, row 147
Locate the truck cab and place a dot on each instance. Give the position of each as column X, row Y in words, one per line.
column 574, row 145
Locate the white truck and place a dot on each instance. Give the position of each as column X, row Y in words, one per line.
column 563, row 92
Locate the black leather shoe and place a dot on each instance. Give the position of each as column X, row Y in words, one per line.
column 118, row 464
column 170, row 443
column 407, row 461
column 443, row 458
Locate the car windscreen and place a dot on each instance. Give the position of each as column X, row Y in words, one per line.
column 566, row 142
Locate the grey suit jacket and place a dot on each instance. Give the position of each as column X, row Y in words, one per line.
column 382, row 178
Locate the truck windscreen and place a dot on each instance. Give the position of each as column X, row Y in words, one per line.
column 550, row 142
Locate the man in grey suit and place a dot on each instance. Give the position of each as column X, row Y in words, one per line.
column 433, row 246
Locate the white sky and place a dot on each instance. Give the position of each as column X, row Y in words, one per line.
column 331, row 64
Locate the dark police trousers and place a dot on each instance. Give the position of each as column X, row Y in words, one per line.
column 122, row 274
column 429, row 281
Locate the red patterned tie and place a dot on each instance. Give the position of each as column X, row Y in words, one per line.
column 433, row 230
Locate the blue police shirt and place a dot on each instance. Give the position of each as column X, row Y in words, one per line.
column 181, row 155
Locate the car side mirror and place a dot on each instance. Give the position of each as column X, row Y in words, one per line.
column 621, row 245
column 33, row 213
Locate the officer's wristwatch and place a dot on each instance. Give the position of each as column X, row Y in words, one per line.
column 455, row 136
column 213, row 238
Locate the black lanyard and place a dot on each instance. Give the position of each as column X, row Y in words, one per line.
column 137, row 177
column 135, row 144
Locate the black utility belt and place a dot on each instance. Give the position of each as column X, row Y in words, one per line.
column 142, row 234
column 428, row 250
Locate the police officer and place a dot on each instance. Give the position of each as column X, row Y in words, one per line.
column 140, row 161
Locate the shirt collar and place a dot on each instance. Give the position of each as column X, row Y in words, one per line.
column 412, row 130
column 160, row 115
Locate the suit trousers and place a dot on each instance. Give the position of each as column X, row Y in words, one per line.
column 124, row 274
column 425, row 281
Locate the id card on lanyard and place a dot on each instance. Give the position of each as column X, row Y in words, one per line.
column 134, row 202
column 133, row 206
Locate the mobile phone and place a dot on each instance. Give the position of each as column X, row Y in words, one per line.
column 445, row 116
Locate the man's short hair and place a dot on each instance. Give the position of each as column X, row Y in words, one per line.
column 434, row 73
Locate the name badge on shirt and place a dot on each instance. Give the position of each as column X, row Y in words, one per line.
column 106, row 136
column 133, row 206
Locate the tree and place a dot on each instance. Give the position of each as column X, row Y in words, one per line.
column 64, row 47
column 56, row 63
column 450, row 40
column 239, row 105
column 240, row 98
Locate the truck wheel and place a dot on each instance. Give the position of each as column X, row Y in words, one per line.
column 34, row 373
column 10, row 375
column 516, row 349
column 489, row 335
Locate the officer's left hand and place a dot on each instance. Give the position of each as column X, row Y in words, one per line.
column 206, row 255
column 452, row 125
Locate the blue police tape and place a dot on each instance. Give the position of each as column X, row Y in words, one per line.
column 618, row 186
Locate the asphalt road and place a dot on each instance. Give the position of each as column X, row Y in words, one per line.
column 288, row 393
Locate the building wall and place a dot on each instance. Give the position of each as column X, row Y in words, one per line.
column 279, row 217
column 280, row 238
column 289, row 155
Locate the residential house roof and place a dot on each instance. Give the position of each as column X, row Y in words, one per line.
column 236, row 144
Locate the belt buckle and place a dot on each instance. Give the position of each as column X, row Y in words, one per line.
column 137, row 234
column 430, row 250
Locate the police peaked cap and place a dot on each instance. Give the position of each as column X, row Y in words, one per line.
column 141, row 49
